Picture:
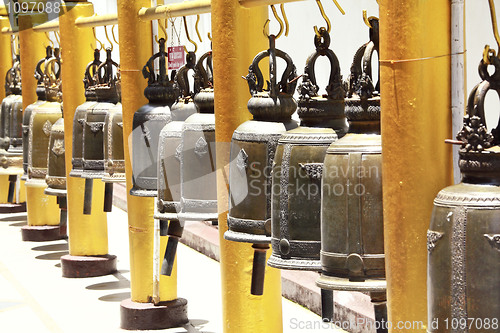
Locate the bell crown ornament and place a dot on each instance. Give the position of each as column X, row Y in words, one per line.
column 90, row 78
column 39, row 73
column 52, row 80
column 276, row 103
column 107, row 81
column 160, row 88
column 322, row 110
column 203, row 84
column 13, row 78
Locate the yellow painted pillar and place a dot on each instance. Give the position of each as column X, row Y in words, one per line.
column 416, row 119
column 88, row 234
column 41, row 208
column 5, row 64
column 237, row 38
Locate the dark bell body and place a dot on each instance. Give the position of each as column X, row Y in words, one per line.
column 114, row 164
column 78, row 127
column 26, row 129
column 56, row 165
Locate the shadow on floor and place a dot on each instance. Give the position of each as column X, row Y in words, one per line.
column 19, row 224
column 109, row 285
column 20, row 217
column 118, row 297
column 196, row 326
column 51, row 247
column 52, row 256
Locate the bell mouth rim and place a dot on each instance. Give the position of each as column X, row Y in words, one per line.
column 198, row 217
column 294, row 263
column 139, row 192
column 119, row 178
column 76, row 173
column 344, row 284
column 166, row 216
column 55, row 192
column 243, row 237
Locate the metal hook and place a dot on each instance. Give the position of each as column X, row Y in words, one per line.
column 113, row 34
column 494, row 22
column 162, row 28
column 97, row 40
column 279, row 21
column 107, row 37
column 196, row 28
column 58, row 40
column 367, row 19
column 328, row 24
column 50, row 40
column 189, row 39
column 209, row 36
column 287, row 26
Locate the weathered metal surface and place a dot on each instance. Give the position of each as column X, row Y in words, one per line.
column 149, row 316
column 56, row 166
column 87, row 266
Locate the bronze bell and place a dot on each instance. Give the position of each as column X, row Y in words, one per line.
column 147, row 124
column 56, row 171
column 89, row 82
column 252, row 152
column 352, row 230
column 463, row 240
column 41, row 120
column 40, row 91
column 298, row 164
column 11, row 110
column 107, row 92
column 186, row 179
column 114, row 157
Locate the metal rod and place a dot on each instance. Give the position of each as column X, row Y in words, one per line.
column 108, row 197
column 9, row 31
column 176, row 10
column 379, row 300
column 259, row 269
column 12, row 188
column 175, row 230
column 63, row 219
column 96, row 21
column 47, row 26
column 87, row 197
column 327, row 305
column 256, row 3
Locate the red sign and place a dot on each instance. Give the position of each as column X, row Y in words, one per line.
column 175, row 57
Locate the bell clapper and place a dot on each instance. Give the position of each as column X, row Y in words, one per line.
column 12, row 188
column 379, row 300
column 259, row 268
column 327, row 305
column 108, row 197
column 63, row 220
column 87, row 197
column 175, row 230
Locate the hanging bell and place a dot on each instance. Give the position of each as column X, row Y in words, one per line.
column 41, row 120
column 463, row 240
column 114, row 163
column 298, row 164
column 186, row 180
column 107, row 92
column 352, row 238
column 90, row 81
column 56, row 171
column 41, row 94
column 147, row 124
column 11, row 111
column 252, row 152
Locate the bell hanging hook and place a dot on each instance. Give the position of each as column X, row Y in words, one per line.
column 50, row 40
column 327, row 20
column 367, row 19
column 189, row 38
column 487, row 53
column 162, row 28
column 107, row 37
column 58, row 39
column 101, row 46
column 196, row 28
column 113, row 34
column 280, row 21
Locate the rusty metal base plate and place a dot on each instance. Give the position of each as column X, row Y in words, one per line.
column 42, row 233
column 147, row 316
column 87, row 266
column 7, row 208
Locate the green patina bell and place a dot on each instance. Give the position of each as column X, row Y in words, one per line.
column 148, row 122
column 107, row 91
column 298, row 165
column 186, row 171
column 463, row 240
column 11, row 111
column 253, row 146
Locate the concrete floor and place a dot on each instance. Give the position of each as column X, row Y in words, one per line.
column 35, row 298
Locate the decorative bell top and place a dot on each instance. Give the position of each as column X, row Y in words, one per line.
column 90, row 80
column 203, row 84
column 326, row 110
column 108, row 86
column 160, row 89
column 52, row 80
column 40, row 88
column 276, row 103
column 480, row 153
column 363, row 97
column 13, row 78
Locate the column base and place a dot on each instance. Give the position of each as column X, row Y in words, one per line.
column 87, row 266
column 12, row 208
column 147, row 316
column 41, row 233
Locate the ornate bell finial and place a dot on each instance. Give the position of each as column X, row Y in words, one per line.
column 39, row 73
column 52, row 80
column 203, row 84
column 276, row 103
column 107, row 85
column 160, row 89
column 89, row 80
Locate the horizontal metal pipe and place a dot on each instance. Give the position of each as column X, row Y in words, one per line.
column 8, row 31
column 47, row 26
column 96, row 21
column 256, row 3
column 175, row 10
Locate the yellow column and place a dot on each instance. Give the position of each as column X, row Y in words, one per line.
column 237, row 38
column 88, row 234
column 41, row 208
column 416, row 119
column 134, row 32
column 5, row 64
